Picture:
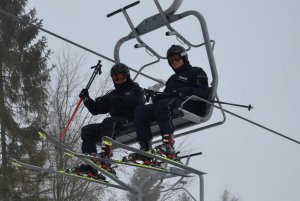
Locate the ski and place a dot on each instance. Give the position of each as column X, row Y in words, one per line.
column 122, row 162
column 155, row 156
column 17, row 164
column 66, row 149
column 71, row 153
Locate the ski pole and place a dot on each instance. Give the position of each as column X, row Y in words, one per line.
column 233, row 104
column 149, row 93
column 97, row 69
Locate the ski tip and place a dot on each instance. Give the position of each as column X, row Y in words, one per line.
column 107, row 142
column 42, row 135
column 16, row 164
column 69, row 154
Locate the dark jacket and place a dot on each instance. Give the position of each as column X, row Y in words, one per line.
column 118, row 102
column 189, row 81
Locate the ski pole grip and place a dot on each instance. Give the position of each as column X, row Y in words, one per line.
column 98, row 66
column 125, row 8
column 99, row 61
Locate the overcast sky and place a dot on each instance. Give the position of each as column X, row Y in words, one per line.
column 257, row 57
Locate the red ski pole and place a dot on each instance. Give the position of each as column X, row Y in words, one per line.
column 63, row 134
column 97, row 69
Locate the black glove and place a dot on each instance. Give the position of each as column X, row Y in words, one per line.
column 157, row 96
column 148, row 94
column 176, row 94
column 103, row 101
column 173, row 94
column 84, row 94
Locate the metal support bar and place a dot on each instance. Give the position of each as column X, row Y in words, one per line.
column 121, row 9
column 169, row 26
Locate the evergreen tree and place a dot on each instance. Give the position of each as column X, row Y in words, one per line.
column 23, row 80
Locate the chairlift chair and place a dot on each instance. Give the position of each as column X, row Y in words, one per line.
column 182, row 118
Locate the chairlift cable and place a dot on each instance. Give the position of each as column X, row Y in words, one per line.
column 53, row 34
column 243, row 118
column 69, row 41
column 259, row 125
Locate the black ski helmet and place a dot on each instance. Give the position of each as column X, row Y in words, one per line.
column 119, row 68
column 178, row 49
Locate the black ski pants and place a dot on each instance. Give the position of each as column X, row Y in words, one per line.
column 93, row 133
column 159, row 111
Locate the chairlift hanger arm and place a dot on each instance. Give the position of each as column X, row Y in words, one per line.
column 137, row 37
column 173, row 31
column 139, row 72
column 155, row 22
column 134, row 33
column 167, row 18
column 144, row 27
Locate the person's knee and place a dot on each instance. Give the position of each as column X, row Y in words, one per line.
column 161, row 108
column 85, row 132
column 108, row 124
column 140, row 111
column 108, row 121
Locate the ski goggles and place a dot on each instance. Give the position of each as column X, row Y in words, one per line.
column 174, row 57
column 119, row 76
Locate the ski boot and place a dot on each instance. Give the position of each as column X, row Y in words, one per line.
column 166, row 149
column 141, row 159
column 106, row 153
column 86, row 171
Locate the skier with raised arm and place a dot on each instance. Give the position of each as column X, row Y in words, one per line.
column 120, row 103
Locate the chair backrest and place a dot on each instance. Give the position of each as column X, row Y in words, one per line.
column 204, row 111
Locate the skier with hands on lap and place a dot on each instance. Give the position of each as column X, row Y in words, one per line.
column 186, row 81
